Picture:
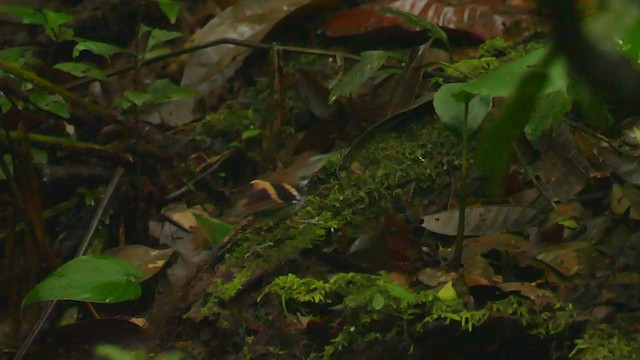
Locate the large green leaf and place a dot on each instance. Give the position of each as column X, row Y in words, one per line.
column 551, row 108
column 369, row 64
column 630, row 45
column 100, row 279
column 504, row 81
column 496, row 141
column 450, row 108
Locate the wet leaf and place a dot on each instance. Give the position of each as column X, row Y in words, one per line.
column 368, row 65
column 451, row 110
column 481, row 220
column 148, row 259
column 90, row 278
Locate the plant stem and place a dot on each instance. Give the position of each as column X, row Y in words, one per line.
column 456, row 261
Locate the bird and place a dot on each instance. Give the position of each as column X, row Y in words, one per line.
column 277, row 190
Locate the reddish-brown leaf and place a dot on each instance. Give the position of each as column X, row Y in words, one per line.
column 482, row 20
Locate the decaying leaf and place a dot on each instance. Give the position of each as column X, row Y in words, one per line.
column 626, row 167
column 503, row 242
column 560, row 178
column 148, row 259
column 570, row 258
column 478, row 271
column 180, row 215
column 541, row 297
column 481, row 220
column 435, row 277
column 625, row 198
column 486, row 20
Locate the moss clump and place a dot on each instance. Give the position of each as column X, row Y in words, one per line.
column 369, row 302
column 603, row 342
column 401, row 172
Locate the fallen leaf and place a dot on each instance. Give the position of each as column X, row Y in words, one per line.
column 477, row 271
column 540, row 296
column 570, row 258
column 504, row 242
column 148, row 259
column 435, row 277
column 481, row 220
column 482, row 21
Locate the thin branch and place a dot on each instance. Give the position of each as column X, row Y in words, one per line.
column 247, row 44
column 81, row 251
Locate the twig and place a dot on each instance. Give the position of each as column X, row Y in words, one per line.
column 78, row 103
column 81, row 251
column 247, row 44
column 532, row 177
column 189, row 185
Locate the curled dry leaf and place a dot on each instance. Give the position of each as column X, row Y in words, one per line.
column 148, row 259
column 481, row 220
column 478, row 271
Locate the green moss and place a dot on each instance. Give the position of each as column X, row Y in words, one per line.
column 416, row 161
column 603, row 342
column 370, row 300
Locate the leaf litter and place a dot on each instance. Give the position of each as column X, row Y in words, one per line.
column 569, row 236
